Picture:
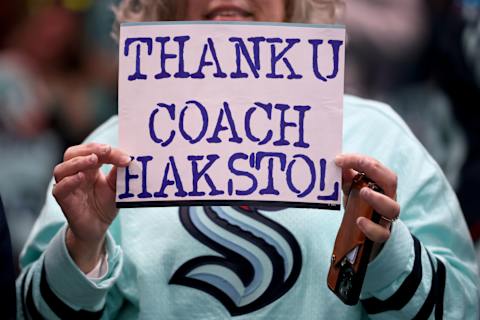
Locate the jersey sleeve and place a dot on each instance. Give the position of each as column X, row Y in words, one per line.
column 50, row 284
column 53, row 287
column 427, row 269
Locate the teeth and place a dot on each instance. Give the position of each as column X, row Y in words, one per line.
column 230, row 13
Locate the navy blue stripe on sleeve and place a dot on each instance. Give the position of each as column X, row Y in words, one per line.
column 62, row 310
column 404, row 293
column 442, row 274
column 22, row 293
column 427, row 307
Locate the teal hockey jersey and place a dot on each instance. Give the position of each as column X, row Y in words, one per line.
column 264, row 263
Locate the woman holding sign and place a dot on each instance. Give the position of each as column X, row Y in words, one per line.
column 86, row 259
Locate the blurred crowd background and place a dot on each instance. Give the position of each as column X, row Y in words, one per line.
column 58, row 81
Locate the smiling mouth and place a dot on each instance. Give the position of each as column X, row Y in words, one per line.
column 229, row 14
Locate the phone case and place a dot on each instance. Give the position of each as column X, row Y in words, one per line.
column 352, row 249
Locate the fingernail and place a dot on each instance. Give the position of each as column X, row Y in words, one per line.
column 365, row 192
column 126, row 159
column 105, row 149
column 339, row 160
column 360, row 222
column 92, row 158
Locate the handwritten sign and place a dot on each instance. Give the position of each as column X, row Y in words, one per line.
column 230, row 113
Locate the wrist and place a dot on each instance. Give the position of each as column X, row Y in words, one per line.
column 86, row 255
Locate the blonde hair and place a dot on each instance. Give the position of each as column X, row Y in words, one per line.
column 302, row 11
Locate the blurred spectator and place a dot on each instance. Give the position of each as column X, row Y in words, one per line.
column 387, row 42
column 56, row 85
column 28, row 146
column 383, row 37
column 422, row 57
column 458, row 65
column 448, row 61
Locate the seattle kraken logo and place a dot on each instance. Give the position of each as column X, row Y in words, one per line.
column 259, row 260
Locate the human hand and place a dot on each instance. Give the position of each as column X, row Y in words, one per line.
column 87, row 198
column 384, row 204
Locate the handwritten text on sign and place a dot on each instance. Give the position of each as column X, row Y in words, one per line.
column 230, row 112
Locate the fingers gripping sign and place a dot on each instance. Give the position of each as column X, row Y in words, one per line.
column 385, row 204
column 87, row 198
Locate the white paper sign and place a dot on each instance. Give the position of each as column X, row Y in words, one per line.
column 230, row 113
